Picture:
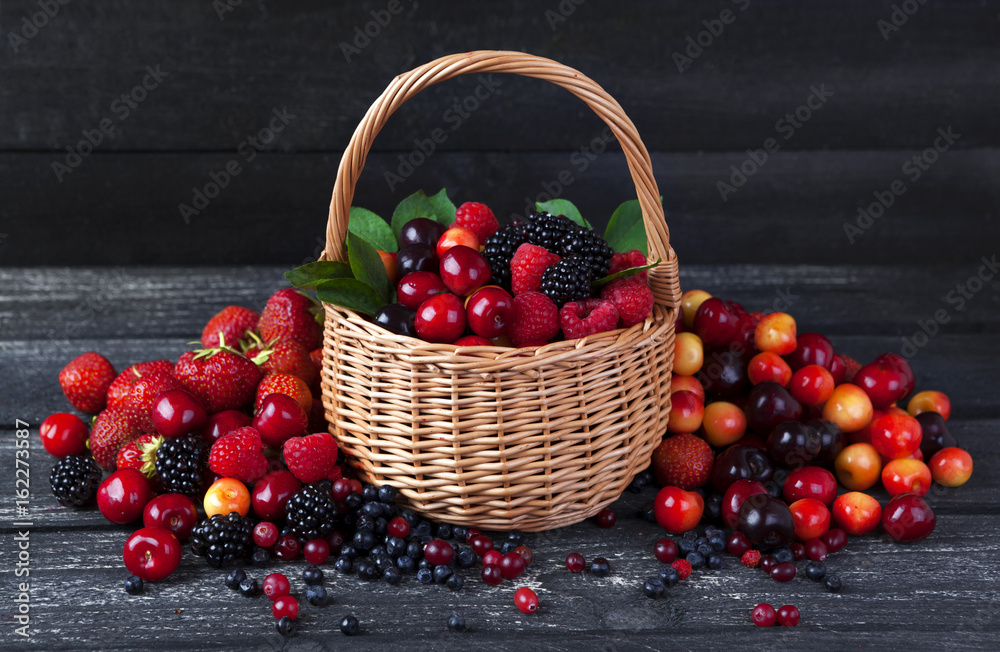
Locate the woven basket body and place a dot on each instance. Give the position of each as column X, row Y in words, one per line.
column 492, row 437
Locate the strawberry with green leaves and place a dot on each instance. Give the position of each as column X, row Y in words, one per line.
column 114, row 428
column 292, row 315
column 221, row 378
column 137, row 454
column 232, row 323
column 85, row 381
column 284, row 357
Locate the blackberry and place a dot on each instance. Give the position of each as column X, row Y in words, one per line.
column 498, row 250
column 311, row 510
column 546, row 230
column 180, row 462
column 591, row 247
column 223, row 539
column 568, row 280
column 75, row 480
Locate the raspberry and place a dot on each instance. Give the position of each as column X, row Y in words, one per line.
column 312, row 458
column 239, row 455
column 632, row 297
column 683, row 568
column 751, row 559
column 527, row 266
column 477, row 217
column 536, row 319
column 634, row 258
column 591, row 316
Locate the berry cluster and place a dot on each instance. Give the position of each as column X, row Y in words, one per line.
column 478, row 284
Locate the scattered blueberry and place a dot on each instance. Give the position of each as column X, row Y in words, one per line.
column 387, row 494
column 600, row 567
column 249, row 588
column 261, row 556
column 815, row 570
column 425, row 576
column 133, row 585
column 714, row 561
column 456, row 623
column 312, row 576
column 344, row 564
column 467, row 558
column 669, row 576
column 654, row 588
column 442, row 573
column 285, row 626
column 405, row 563
column 833, row 583
column 367, row 570
column 455, row 582
column 392, row 575
column 369, row 492
column 350, row 625
column 316, row 595
column 781, row 555
column 235, row 577
column 696, row 559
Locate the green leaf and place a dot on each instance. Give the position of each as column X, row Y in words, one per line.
column 625, row 273
column 372, row 228
column 563, row 207
column 444, row 209
column 625, row 230
column 308, row 275
column 350, row 293
column 367, row 266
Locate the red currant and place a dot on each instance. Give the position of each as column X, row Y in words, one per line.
column 471, row 534
column 606, row 518
column 398, row 527
column 64, row 434
column 512, row 565
column 441, row 319
column 287, row 548
column 439, row 552
column 492, row 575
column 526, row 600
column 526, row 554
column 316, row 551
column 177, row 412
column 788, row 616
column 482, row 544
column 284, row 606
column 276, row 585
column 665, row 550
column 152, row 553
column 174, row 512
column 492, row 558
column 463, row 270
column 265, row 534
column 764, row 615
column 575, row 562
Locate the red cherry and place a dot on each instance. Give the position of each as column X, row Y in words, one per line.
column 463, row 269
column 810, row 482
column 526, row 600
column 271, row 494
column 284, row 606
column 275, row 586
column 838, row 369
column 606, row 518
column 471, row 534
column 174, row 512
column 457, row 236
column 398, row 527
column 714, row 323
column 223, row 423
column 177, row 412
column 280, row 418
column 811, row 518
column 883, row 383
column 123, row 496
column 811, row 385
column 64, row 434
column 265, row 534
column 152, row 553
column 812, row 349
column 900, row 364
column 438, row 552
column 896, row 435
column 417, row 287
column 908, row 518
column 665, row 550
column 678, row 511
column 441, row 318
column 473, row 340
column 490, row 311
column 737, row 492
column 575, row 562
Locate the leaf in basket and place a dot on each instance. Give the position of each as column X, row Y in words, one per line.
column 308, row 275
column 368, row 267
column 444, row 209
column 625, row 230
column 350, row 293
column 372, row 228
column 625, row 273
column 563, row 207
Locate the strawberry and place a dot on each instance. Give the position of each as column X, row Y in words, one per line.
column 312, row 458
column 239, row 455
column 137, row 454
column 148, row 388
column 120, row 391
column 85, row 381
column 232, row 322
column 113, row 428
column 285, row 384
column 290, row 314
column 683, row 461
column 284, row 357
column 221, row 378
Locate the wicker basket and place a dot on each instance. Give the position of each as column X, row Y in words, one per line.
column 492, row 437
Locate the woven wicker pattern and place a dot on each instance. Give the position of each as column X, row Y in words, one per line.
column 493, row 437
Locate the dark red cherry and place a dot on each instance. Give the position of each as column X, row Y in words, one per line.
column 463, row 270
column 397, row 318
column 715, row 323
column 793, row 445
column 908, row 518
column 416, row 258
column 831, row 441
column 740, row 462
column 934, row 434
column 768, row 405
column 421, row 231
column 811, row 348
column 766, row 521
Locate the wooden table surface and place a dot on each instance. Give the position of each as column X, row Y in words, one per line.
column 943, row 592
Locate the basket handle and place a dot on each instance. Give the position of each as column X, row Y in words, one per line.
column 405, row 86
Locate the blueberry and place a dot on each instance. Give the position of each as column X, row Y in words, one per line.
column 508, row 546
column 234, row 578
column 456, row 623
column 647, row 477
column 285, row 626
column 442, row 573
column 344, row 564
column 372, row 509
column 696, row 559
column 718, row 542
column 350, row 625
column 249, row 588
column 348, row 551
column 713, row 508
column 367, row 570
column 392, row 575
column 444, row 531
column 316, row 595
column 685, row 545
column 815, row 570
column 381, row 525
column 364, row 540
column 369, row 492
column 715, row 561
column 409, row 516
column 455, row 582
column 133, row 585
column 669, row 576
column 467, row 558
column 421, row 529
column 654, row 588
column 354, row 501
column 600, row 567
column 387, row 494
column 384, row 563
column 833, row 583
column 711, row 531
column 405, row 563
column 425, row 576
column 690, row 534
column 705, row 549
column 648, row 513
column 312, row 576
column 782, row 555
column 366, row 523
column 516, row 536
column 261, row 556
column 459, row 532
column 423, row 563
column 636, row 486
column 395, row 546
column 378, row 550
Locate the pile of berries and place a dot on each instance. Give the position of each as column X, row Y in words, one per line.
column 476, row 283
